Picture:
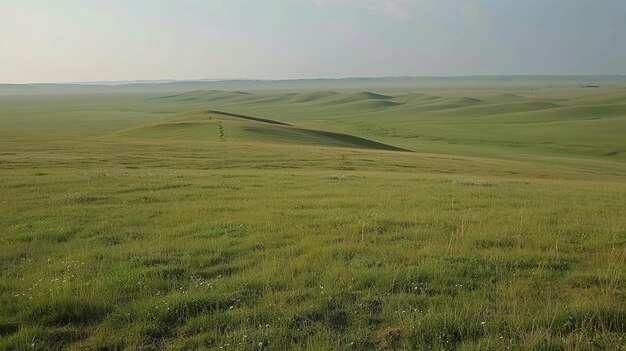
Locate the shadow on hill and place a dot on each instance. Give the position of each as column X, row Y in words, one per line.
column 257, row 119
column 226, row 126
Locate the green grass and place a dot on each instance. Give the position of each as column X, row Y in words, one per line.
column 499, row 123
column 187, row 229
column 217, row 126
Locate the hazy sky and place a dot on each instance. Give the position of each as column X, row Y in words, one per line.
column 82, row 40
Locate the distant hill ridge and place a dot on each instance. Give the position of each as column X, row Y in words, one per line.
column 481, row 82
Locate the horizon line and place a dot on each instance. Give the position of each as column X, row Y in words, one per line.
column 217, row 80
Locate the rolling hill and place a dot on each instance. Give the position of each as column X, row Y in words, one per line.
column 228, row 127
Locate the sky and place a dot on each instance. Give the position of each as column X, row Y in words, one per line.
column 113, row 40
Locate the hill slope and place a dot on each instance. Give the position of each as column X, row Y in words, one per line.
column 223, row 126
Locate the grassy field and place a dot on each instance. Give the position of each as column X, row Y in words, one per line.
column 314, row 220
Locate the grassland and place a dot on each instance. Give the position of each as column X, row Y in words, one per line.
column 151, row 221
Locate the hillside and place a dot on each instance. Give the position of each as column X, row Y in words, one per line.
column 226, row 127
column 249, row 220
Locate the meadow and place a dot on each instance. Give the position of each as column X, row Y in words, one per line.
column 439, row 219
